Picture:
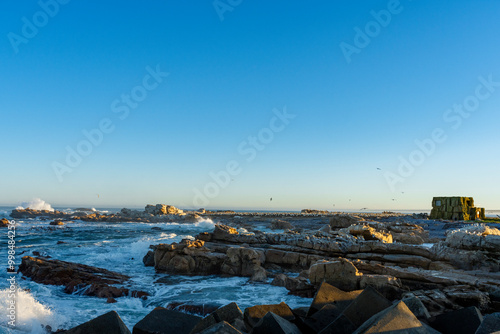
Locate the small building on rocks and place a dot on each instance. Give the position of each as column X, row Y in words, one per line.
column 455, row 208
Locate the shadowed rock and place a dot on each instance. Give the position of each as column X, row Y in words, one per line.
column 274, row 324
column 490, row 324
column 395, row 319
column 328, row 294
column 109, row 323
column 254, row 314
column 367, row 304
column 161, row 320
column 462, row 321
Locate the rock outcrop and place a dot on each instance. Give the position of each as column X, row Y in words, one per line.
column 77, row 278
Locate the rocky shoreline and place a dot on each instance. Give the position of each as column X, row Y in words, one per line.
column 368, row 273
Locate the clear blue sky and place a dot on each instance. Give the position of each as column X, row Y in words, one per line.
column 225, row 78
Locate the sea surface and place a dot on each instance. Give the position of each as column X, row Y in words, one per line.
column 119, row 247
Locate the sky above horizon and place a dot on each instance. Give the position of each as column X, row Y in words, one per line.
column 229, row 104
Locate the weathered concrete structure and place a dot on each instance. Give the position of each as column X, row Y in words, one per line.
column 455, row 208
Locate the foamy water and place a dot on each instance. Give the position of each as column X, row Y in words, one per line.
column 119, row 247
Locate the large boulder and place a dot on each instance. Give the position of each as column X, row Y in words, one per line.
column 254, row 314
column 231, row 314
column 366, row 232
column 274, row 324
column 463, row 321
column 367, row 304
column 340, row 273
column 329, row 295
column 343, row 220
column 161, row 320
column 242, row 261
column 109, row 323
column 395, row 319
column 4, row 222
column 475, row 237
column 490, row 324
column 74, row 276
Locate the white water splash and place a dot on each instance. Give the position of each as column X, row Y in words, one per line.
column 36, row 204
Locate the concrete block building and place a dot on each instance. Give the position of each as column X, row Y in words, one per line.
column 455, row 208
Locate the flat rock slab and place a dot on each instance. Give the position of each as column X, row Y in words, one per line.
column 463, row 321
column 274, row 324
column 75, row 276
column 254, row 314
column 328, row 294
column 163, row 321
column 109, row 323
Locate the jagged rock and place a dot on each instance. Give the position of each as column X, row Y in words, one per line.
column 221, row 328
column 463, row 321
column 254, row 314
column 475, row 237
column 278, row 224
column 74, row 276
column 490, row 324
column 29, row 213
column 340, row 273
column 192, row 308
column 326, row 229
column 368, row 233
column 243, row 261
column 109, row 323
column 259, row 275
column 56, row 223
column 367, row 304
column 149, row 259
column 395, row 319
column 161, row 320
column 298, row 286
column 416, row 306
column 328, row 294
column 341, row 325
column 4, row 222
column 161, row 209
column 274, row 324
column 229, row 313
column 322, row 318
column 341, row 221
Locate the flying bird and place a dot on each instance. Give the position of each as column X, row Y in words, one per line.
column 379, row 168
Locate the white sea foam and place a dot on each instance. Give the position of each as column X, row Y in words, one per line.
column 30, row 313
column 36, row 204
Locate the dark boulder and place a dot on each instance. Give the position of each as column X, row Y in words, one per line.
column 163, row 321
column 274, row 324
column 109, row 323
column 463, row 321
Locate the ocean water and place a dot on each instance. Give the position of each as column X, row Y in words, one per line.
column 119, row 247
